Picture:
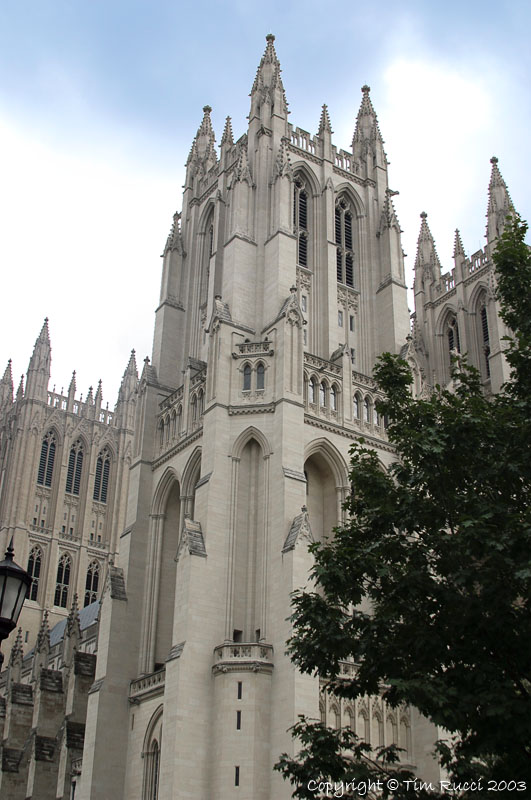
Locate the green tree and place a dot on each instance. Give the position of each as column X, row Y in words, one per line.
column 440, row 548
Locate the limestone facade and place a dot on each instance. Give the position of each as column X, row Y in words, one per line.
column 282, row 281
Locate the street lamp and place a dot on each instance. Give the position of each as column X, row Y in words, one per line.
column 14, row 585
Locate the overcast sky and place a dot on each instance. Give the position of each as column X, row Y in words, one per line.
column 100, row 101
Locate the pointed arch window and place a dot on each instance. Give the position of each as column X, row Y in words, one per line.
column 333, row 398
column 312, row 393
column 300, row 219
column 75, row 466
column 46, row 461
column 247, row 378
column 260, row 376
column 453, row 336
column 101, row 479
column 322, row 395
column 357, row 406
column 34, row 571
column 367, row 410
column 62, row 583
column 485, row 337
column 92, row 583
column 344, row 242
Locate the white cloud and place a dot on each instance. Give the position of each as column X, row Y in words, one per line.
column 79, row 244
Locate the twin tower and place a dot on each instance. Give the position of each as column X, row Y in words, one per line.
column 283, row 280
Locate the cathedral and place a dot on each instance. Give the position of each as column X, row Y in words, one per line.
column 181, row 520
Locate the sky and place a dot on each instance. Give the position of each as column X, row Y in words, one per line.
column 100, row 101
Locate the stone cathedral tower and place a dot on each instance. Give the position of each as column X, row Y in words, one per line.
column 282, row 281
column 193, row 503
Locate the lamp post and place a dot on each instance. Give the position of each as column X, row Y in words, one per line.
column 14, row 585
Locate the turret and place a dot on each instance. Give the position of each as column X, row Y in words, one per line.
column 38, row 374
column 500, row 203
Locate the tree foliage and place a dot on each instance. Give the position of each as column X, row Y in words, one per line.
column 439, row 549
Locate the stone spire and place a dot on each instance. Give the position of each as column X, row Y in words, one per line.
column 15, row 660
column 367, row 137
column 268, row 97
column 39, row 366
column 6, row 386
column 205, row 140
column 324, row 123
column 42, row 648
column 129, row 379
column 72, row 634
column 98, row 399
column 228, row 137
column 174, row 240
column 500, row 204
column 20, row 390
column 427, row 264
column 459, row 250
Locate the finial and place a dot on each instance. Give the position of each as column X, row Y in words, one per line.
column 494, row 160
column 270, row 37
column 133, row 352
column 365, row 89
column 293, row 289
column 46, row 320
column 207, row 109
column 9, row 362
column 423, row 215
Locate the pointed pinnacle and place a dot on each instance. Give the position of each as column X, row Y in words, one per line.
column 227, row 137
column 459, row 250
column 324, row 122
column 7, row 378
column 270, row 56
column 17, row 650
column 20, row 390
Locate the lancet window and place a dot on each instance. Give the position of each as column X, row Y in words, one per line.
column 92, row 583
column 62, row 581
column 46, row 461
column 101, row 479
column 453, row 336
column 34, row 571
column 75, row 466
column 300, row 220
column 344, row 243
column 485, row 339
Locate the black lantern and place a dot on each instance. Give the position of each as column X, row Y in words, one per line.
column 14, row 585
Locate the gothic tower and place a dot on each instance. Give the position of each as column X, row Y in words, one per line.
column 64, row 468
column 282, row 281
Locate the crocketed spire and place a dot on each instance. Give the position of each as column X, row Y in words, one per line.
column 227, row 137
column 268, row 87
column 500, row 204
column 6, row 386
column 427, row 263
column 39, row 365
column 324, row 123
column 459, row 250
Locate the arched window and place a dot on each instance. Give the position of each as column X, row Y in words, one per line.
column 260, row 376
column 379, row 729
column 344, row 243
column 75, row 465
column 101, row 478
column 179, row 420
column 337, row 718
column 333, row 398
column 152, row 767
column 312, row 394
column 92, row 583
column 453, row 336
column 367, row 410
column 247, row 378
column 357, row 406
column 201, row 402
column 46, row 461
column 300, row 220
column 34, row 571
column 161, row 432
column 193, row 404
column 322, row 395
column 322, row 711
column 364, row 728
column 485, row 339
column 63, row 581
column 173, row 424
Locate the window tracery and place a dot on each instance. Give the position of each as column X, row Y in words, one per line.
column 92, row 583
column 62, row 581
column 34, row 571
column 300, row 219
column 344, row 243
column 75, row 466
column 101, row 478
column 46, row 461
